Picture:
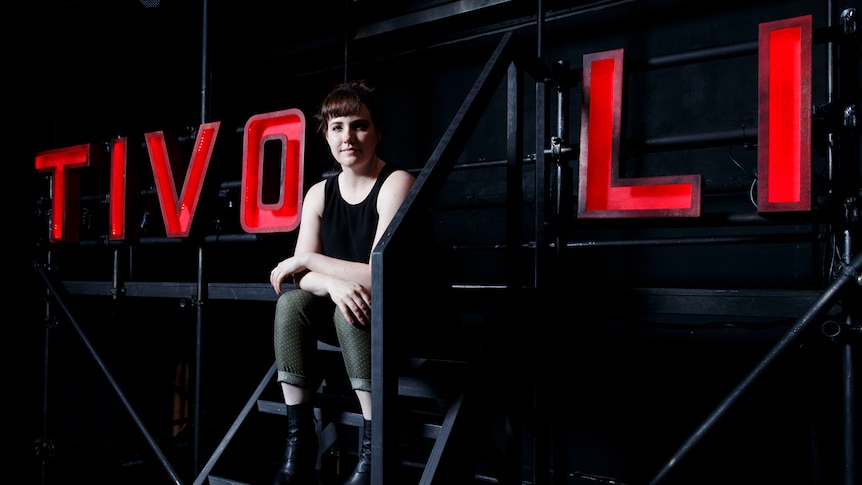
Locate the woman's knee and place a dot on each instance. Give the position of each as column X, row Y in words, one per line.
column 293, row 300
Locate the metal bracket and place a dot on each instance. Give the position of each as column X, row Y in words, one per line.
column 559, row 149
column 849, row 24
column 846, row 269
column 190, row 301
column 43, row 449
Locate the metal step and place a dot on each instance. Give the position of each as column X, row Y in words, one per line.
column 427, row 389
column 429, row 427
column 214, row 480
column 344, row 417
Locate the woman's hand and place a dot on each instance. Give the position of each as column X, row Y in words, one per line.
column 353, row 299
column 285, row 269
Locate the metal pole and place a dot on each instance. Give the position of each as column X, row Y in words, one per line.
column 201, row 285
column 826, row 300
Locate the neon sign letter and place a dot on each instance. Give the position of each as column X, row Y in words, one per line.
column 178, row 212
column 602, row 193
column 65, row 189
column 286, row 128
column 784, row 125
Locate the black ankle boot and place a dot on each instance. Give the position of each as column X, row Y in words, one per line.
column 300, row 456
column 362, row 473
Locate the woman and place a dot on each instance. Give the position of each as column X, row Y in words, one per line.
column 343, row 217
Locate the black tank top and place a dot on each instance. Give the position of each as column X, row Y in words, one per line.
column 347, row 230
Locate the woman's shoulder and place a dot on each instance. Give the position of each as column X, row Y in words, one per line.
column 399, row 174
column 317, row 186
column 399, row 179
column 315, row 193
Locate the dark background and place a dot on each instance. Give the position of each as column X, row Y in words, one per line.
column 633, row 383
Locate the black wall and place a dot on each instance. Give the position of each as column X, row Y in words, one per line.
column 630, row 381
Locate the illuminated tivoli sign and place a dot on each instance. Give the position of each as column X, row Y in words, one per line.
column 784, row 154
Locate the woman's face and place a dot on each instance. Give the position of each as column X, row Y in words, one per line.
column 352, row 139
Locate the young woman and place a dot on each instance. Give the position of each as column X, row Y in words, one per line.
column 343, row 217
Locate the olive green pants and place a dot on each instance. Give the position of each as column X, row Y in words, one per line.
column 301, row 319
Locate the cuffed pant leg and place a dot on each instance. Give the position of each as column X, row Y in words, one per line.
column 355, row 343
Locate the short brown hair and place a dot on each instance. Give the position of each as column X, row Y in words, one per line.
column 347, row 99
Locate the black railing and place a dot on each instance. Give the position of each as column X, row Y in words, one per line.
column 388, row 271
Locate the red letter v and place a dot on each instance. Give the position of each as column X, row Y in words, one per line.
column 179, row 211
